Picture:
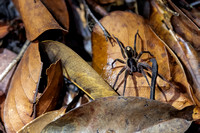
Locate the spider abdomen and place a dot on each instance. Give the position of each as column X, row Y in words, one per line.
column 132, row 64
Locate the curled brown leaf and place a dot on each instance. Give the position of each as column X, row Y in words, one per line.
column 124, row 26
column 40, row 122
column 78, row 70
column 160, row 21
column 37, row 18
column 20, row 101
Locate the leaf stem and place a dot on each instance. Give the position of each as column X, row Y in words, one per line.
column 97, row 8
column 88, row 11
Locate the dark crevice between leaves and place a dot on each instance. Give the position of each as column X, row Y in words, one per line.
column 74, row 102
column 46, row 63
column 53, row 34
column 194, row 128
column 43, row 82
column 16, row 37
column 79, row 97
column 7, row 10
column 74, row 39
column 182, row 4
column 145, row 8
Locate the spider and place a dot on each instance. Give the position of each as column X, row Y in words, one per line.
column 133, row 65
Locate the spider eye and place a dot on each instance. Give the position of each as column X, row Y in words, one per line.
column 129, row 51
column 128, row 48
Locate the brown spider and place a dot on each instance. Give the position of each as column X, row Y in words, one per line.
column 132, row 65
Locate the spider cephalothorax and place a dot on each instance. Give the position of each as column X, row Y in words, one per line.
column 133, row 65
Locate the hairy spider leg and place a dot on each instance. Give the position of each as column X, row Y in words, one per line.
column 135, row 52
column 119, row 60
column 125, row 79
column 154, row 76
column 137, row 34
column 150, row 68
column 141, row 53
column 140, row 65
column 120, row 72
column 121, row 45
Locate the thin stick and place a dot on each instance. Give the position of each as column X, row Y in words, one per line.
column 194, row 3
column 97, row 8
column 78, row 85
column 106, row 34
column 12, row 64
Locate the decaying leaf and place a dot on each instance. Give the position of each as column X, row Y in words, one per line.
column 119, row 114
column 59, row 10
column 160, row 23
column 189, row 11
column 175, row 125
column 48, row 99
column 124, row 26
column 18, row 107
column 184, row 25
column 40, row 122
column 78, row 70
column 3, row 31
column 18, row 104
column 36, row 17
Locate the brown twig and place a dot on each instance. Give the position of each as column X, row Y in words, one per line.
column 12, row 64
column 78, row 85
column 106, row 33
column 97, row 8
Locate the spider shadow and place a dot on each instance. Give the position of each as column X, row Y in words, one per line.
column 159, row 88
column 133, row 78
column 178, row 90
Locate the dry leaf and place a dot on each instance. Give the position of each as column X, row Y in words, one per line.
column 58, row 9
column 191, row 13
column 175, row 125
column 50, row 96
column 3, row 31
column 185, row 25
column 40, row 122
column 160, row 23
column 124, row 26
column 19, row 101
column 36, row 17
column 78, row 70
column 119, row 115
column 186, row 31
